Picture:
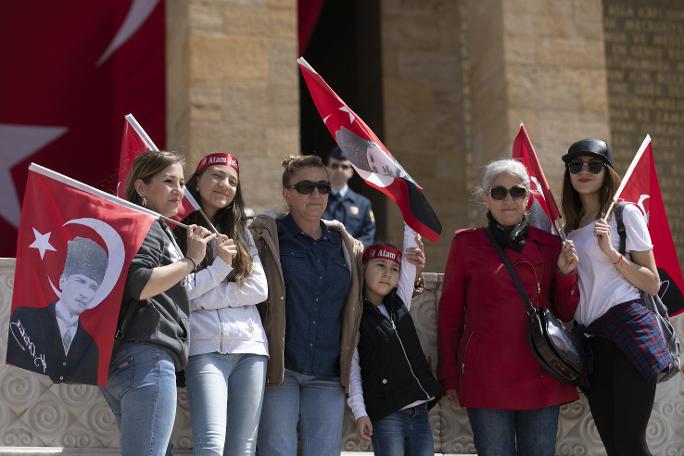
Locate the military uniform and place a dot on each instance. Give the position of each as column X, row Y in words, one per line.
column 355, row 213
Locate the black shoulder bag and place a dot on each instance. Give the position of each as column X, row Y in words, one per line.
column 555, row 348
column 655, row 305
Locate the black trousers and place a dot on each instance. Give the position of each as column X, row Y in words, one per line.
column 620, row 399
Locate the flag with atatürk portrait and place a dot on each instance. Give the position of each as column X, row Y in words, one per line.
column 74, row 249
column 640, row 186
column 369, row 156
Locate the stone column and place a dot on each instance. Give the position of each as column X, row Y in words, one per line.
column 232, row 85
column 424, row 98
column 542, row 63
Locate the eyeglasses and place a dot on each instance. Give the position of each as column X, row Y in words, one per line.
column 499, row 192
column 306, row 187
column 575, row 167
column 342, row 166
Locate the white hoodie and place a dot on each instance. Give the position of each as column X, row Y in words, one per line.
column 223, row 315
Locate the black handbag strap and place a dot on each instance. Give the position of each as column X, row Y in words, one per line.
column 512, row 272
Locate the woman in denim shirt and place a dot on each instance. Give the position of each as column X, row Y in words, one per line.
column 311, row 316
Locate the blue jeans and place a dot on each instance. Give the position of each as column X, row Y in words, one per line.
column 404, row 433
column 141, row 391
column 500, row 432
column 316, row 404
column 225, row 393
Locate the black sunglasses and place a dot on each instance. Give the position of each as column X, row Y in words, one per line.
column 576, row 166
column 342, row 166
column 306, row 187
column 499, row 192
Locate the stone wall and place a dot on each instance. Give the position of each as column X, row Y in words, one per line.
column 424, row 95
column 644, row 48
column 36, row 413
column 232, row 85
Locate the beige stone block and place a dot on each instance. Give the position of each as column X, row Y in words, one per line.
column 543, row 87
column 244, row 105
column 205, row 103
column 409, row 95
column 594, row 90
column 204, row 17
column 437, row 69
column 283, row 107
column 260, row 178
column 281, row 142
column 282, row 4
column 570, row 52
column 228, row 60
column 413, row 33
column 412, row 8
column 259, row 21
column 283, row 70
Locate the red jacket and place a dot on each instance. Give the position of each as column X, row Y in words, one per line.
column 483, row 347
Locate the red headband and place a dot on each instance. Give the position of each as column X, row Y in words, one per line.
column 218, row 159
column 381, row 252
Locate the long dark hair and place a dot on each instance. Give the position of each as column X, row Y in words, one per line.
column 231, row 221
column 572, row 204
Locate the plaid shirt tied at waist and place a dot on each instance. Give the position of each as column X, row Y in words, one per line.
column 634, row 330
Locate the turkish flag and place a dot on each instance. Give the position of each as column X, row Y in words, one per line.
column 72, row 70
column 542, row 201
column 73, row 254
column 133, row 142
column 369, row 156
column 640, row 186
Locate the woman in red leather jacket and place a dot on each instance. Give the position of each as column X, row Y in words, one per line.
column 485, row 361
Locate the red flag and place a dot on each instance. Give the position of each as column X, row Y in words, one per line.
column 73, row 254
column 370, row 157
column 543, row 199
column 188, row 206
column 640, row 186
column 71, row 81
column 134, row 141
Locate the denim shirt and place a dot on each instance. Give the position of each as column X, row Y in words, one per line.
column 317, row 280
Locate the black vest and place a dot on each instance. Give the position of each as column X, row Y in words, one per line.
column 394, row 370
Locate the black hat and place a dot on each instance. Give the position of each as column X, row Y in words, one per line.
column 590, row 146
column 337, row 154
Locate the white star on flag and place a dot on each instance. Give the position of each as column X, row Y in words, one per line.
column 42, row 242
column 17, row 142
column 348, row 111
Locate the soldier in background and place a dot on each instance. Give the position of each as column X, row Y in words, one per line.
column 344, row 204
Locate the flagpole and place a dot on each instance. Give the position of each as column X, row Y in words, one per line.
column 142, row 133
column 130, row 118
column 628, row 174
column 95, row 192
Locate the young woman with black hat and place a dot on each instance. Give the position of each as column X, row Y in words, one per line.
column 624, row 351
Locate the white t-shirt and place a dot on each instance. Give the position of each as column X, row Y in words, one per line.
column 600, row 282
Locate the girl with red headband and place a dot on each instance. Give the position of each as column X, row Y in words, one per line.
column 226, row 369
column 391, row 384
